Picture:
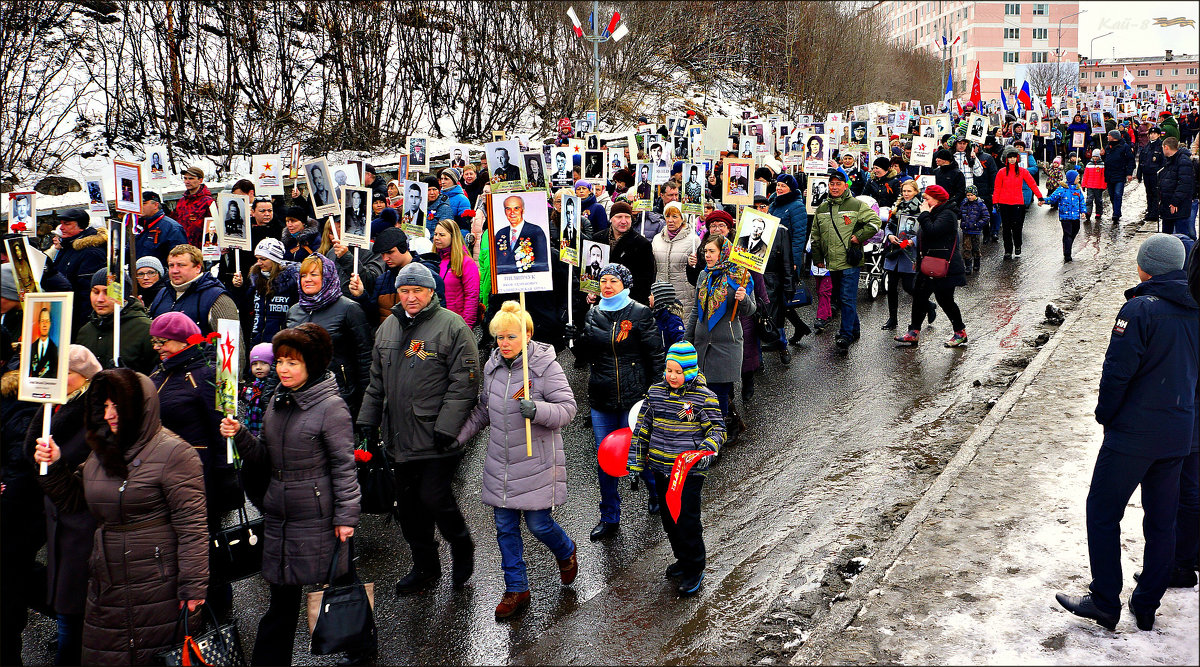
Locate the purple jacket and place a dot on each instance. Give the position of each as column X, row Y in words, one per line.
column 511, row 478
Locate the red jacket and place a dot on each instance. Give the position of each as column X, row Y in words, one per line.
column 1008, row 186
column 191, row 211
column 1093, row 176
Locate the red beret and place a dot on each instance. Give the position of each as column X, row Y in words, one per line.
column 938, row 192
column 719, row 215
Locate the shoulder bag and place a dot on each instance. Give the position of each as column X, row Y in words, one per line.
column 936, row 267
column 854, row 251
column 342, row 617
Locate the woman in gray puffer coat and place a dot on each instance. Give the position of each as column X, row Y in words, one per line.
column 513, row 481
column 312, row 502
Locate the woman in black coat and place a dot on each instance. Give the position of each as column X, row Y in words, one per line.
column 937, row 238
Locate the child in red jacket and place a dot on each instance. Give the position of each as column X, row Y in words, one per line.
column 1093, row 184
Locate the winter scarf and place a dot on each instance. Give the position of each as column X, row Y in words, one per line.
column 714, row 284
column 331, row 288
column 616, row 301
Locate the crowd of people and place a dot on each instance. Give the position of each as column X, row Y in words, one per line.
column 405, row 350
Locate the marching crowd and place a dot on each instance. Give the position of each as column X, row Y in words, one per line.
column 404, row 353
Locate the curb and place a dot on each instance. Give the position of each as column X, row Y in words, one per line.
column 843, row 612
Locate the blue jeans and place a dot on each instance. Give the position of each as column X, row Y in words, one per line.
column 1115, row 192
column 1185, row 225
column 849, row 323
column 512, row 549
column 70, row 639
column 604, row 423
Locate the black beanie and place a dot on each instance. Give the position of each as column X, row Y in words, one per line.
column 883, row 163
column 944, row 154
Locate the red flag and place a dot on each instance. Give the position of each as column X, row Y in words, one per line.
column 958, row 106
column 1168, row 92
column 976, row 95
column 1049, row 99
column 679, row 472
column 612, row 24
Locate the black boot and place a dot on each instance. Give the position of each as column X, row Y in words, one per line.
column 1083, row 606
column 802, row 330
column 416, row 581
column 747, row 387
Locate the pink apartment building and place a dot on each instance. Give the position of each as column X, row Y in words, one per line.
column 1171, row 72
column 1000, row 36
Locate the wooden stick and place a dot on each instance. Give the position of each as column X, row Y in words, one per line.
column 525, row 380
column 47, row 413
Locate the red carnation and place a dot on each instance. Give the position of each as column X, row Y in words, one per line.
column 195, row 339
column 361, row 456
column 469, row 213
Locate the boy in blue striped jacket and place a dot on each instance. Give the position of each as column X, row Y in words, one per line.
column 680, row 414
column 1071, row 205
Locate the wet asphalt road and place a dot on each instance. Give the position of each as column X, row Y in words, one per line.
column 812, row 474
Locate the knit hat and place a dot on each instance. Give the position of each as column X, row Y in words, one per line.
column 1057, row 160
column 582, row 184
column 8, row 282
column 378, row 196
column 673, row 205
column 262, row 352
column 101, row 278
column 1095, row 152
column 761, row 199
column 415, row 273
column 938, row 192
column 883, row 163
column 972, row 190
column 313, row 343
column 1072, row 176
column 149, row 262
column 297, row 213
column 719, row 215
column 1114, row 135
column 619, row 208
column 944, row 154
column 684, row 354
column 432, row 182
column 389, row 238
column 194, row 171
column 452, row 173
column 82, row 361
column 271, row 249
column 620, row 272
column 663, row 293
column 174, row 326
column 788, row 180
column 1161, row 253
column 150, row 195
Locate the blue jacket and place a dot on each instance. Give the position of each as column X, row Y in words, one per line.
column 439, row 210
column 1118, row 163
column 793, row 216
column 670, row 326
column 1148, row 385
column 975, row 216
column 159, row 235
column 458, row 202
column 595, row 213
column 1070, row 200
column 1032, row 168
column 196, row 301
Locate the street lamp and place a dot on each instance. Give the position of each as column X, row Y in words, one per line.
column 1092, row 45
column 1058, row 42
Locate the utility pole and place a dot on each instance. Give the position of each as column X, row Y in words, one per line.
column 596, row 38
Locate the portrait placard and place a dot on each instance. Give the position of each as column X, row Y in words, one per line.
column 816, row 154
column 266, row 172
column 570, row 230
column 343, row 175
column 595, row 256
column 127, row 179
column 643, row 187
column 22, row 212
column 941, row 126
column 156, row 161
column 499, row 135
column 413, row 218
column 616, row 162
column 660, row 161
column 504, row 163
column 228, row 354
column 736, row 186
column 210, row 247
column 45, row 352
column 234, row 216
column 561, row 175
column 923, row 149
column 1078, row 139
column 593, row 167
column 818, row 189
column 520, row 233
column 320, row 188
column 715, row 137
column 977, row 127
column 418, row 152
column 121, row 255
column 460, row 155
column 692, row 192
column 97, row 202
column 356, row 211
column 535, row 170
column 755, row 234
column 28, row 264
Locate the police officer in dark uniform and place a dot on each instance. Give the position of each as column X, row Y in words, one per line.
column 1146, row 405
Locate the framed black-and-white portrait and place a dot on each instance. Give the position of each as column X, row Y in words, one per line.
column 593, row 166
column 570, row 230
column 413, row 216
column 460, row 155
column 505, row 165
column 692, row 191
column 233, row 221
column 356, row 213
column 659, row 153
column 535, row 171
column 320, row 188
column 156, row 161
column 22, row 212
column 418, row 152
column 561, row 168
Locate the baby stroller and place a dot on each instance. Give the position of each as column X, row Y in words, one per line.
column 872, row 274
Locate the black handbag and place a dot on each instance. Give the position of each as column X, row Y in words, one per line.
column 344, row 618
column 222, row 645
column 236, row 553
column 765, row 329
column 801, row 297
column 377, row 482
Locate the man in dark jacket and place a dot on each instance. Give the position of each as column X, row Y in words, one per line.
column 1150, row 160
column 1177, row 188
column 1146, row 405
column 391, row 246
column 372, row 180
column 159, row 232
column 949, row 177
column 881, row 187
column 1119, row 166
column 424, row 384
column 193, row 291
column 82, row 253
column 629, row 249
column 97, row 333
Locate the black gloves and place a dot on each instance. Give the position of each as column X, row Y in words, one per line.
column 571, row 332
column 366, row 433
column 528, row 408
column 443, row 441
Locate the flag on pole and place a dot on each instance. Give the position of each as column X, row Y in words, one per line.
column 1127, row 79
column 1049, row 98
column 976, row 94
column 620, row 32
column 612, row 23
column 1168, row 92
column 956, row 40
column 1023, row 96
column 949, row 88
column 575, row 22
column 958, row 107
column 1003, row 100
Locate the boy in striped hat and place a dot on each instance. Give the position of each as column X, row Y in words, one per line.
column 680, row 414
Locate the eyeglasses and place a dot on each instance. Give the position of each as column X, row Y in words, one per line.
column 157, row 342
column 147, row 273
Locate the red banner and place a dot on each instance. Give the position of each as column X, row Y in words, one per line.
column 679, row 472
column 976, row 95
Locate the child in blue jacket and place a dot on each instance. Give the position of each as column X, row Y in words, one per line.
column 1071, row 205
column 667, row 313
column 975, row 217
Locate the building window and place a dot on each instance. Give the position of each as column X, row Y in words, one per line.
column 1010, row 56
column 1012, row 9
column 1012, row 33
column 1041, row 9
column 1100, row 74
column 1007, row 83
column 1143, row 72
column 1174, row 72
column 1083, row 89
column 1083, row 75
column 1158, row 86
column 1157, row 72
column 1041, row 33
column 1038, row 57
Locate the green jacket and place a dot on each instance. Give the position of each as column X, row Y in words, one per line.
column 136, row 351
column 1170, row 126
column 830, row 234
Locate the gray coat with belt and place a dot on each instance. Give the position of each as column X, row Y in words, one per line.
column 719, row 349
column 511, row 478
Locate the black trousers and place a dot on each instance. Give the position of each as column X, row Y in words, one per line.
column 896, row 282
column 923, row 288
column 277, row 628
column 22, row 580
column 427, row 500
column 1187, row 520
column 1151, row 198
column 686, row 535
column 1070, row 231
column 1012, row 222
column 1114, row 479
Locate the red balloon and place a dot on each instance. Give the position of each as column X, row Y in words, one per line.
column 613, row 454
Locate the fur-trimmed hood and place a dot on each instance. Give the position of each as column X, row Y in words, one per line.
column 9, row 383
column 92, row 237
